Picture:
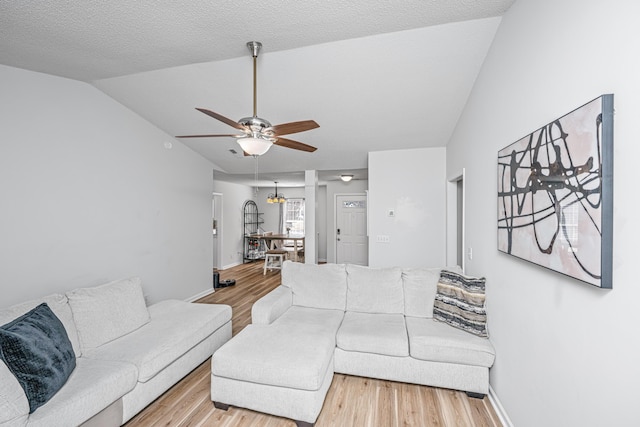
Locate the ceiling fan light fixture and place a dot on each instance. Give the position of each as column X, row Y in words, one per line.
column 346, row 177
column 254, row 146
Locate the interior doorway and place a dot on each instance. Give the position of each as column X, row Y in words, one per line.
column 456, row 220
column 352, row 245
column 216, row 212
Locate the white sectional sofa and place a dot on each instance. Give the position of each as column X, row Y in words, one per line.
column 347, row 319
column 126, row 354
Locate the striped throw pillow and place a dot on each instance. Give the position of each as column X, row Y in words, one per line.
column 460, row 303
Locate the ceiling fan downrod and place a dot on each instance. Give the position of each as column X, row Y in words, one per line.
column 254, row 47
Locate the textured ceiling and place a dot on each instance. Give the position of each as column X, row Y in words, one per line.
column 376, row 75
column 96, row 39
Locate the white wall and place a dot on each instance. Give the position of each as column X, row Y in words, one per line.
column 232, row 231
column 90, row 194
column 412, row 184
column 567, row 352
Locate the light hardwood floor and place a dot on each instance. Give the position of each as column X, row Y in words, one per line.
column 351, row 401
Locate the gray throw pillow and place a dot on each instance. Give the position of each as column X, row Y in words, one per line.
column 36, row 349
column 460, row 302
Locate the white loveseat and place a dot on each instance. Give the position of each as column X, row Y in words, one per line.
column 127, row 354
column 347, row 319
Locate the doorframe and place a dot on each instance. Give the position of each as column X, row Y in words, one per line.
column 453, row 209
column 334, row 232
column 218, row 240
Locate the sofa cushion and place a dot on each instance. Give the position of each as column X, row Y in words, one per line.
column 14, row 406
column 36, row 349
column 93, row 385
column 374, row 290
column 460, row 301
column 420, row 285
column 311, row 320
column 59, row 304
column 175, row 328
column 104, row 313
column 384, row 334
column 273, row 355
column 316, row 286
column 438, row 342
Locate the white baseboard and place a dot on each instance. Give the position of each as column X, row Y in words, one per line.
column 502, row 414
column 233, row 264
column 200, row 295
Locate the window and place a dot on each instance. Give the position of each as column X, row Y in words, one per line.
column 293, row 218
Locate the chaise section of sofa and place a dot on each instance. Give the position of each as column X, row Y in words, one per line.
column 127, row 354
column 282, row 364
column 387, row 330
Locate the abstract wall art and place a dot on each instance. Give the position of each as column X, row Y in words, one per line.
column 555, row 195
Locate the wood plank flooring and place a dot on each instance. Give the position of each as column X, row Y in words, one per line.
column 351, row 401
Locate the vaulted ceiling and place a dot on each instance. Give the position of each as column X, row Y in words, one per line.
column 375, row 75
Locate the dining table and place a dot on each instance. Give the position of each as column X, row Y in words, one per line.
column 271, row 240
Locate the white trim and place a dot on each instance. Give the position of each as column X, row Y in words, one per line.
column 464, row 221
column 502, row 414
column 366, row 193
column 233, row 264
column 201, row 294
column 219, row 238
column 452, row 214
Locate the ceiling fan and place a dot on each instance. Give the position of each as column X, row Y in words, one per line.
column 258, row 135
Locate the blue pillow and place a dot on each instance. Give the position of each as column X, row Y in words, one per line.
column 36, row 349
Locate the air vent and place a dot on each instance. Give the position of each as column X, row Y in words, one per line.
column 238, row 154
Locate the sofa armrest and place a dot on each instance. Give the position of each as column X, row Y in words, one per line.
column 271, row 306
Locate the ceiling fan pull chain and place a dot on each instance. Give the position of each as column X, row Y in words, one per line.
column 256, row 175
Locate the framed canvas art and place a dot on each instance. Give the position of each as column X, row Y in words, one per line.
column 555, row 194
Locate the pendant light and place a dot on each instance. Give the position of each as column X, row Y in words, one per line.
column 275, row 197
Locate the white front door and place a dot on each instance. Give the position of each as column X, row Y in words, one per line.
column 352, row 245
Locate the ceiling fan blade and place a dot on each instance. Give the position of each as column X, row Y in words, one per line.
column 294, row 127
column 207, row 136
column 289, row 143
column 222, row 118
